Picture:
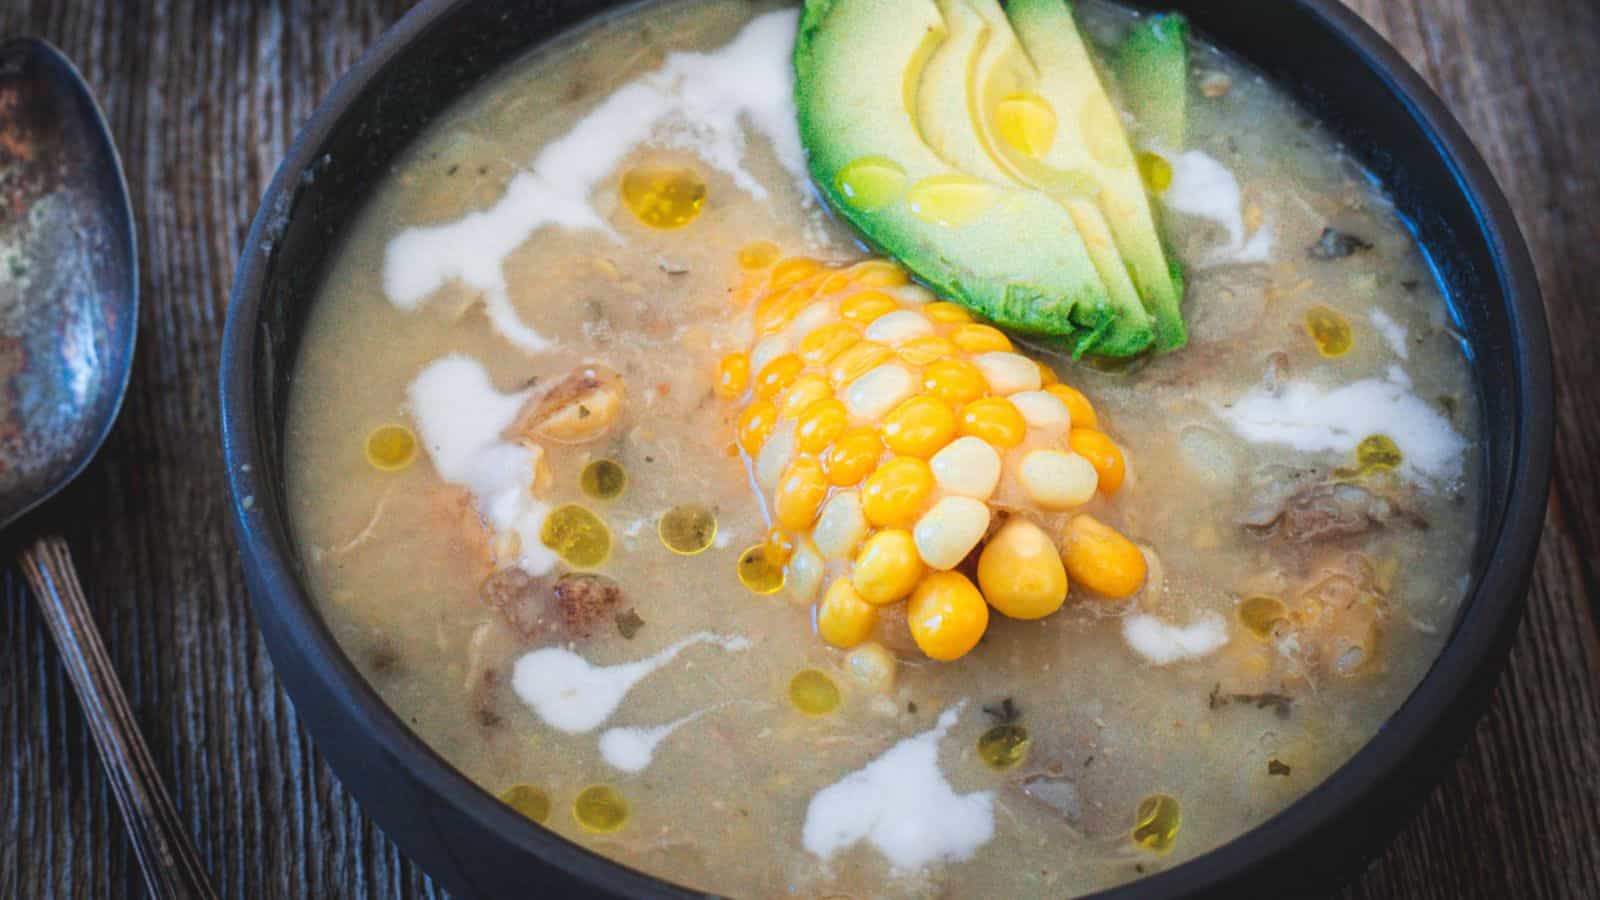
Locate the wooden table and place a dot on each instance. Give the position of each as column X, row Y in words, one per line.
column 204, row 98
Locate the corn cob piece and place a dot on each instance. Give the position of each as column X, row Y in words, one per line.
column 886, row 430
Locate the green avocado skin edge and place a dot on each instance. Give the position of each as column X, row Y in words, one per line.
column 1068, row 308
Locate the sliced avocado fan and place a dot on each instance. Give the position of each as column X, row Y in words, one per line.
column 990, row 162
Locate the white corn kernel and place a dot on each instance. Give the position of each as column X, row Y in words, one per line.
column 914, row 294
column 803, row 577
column 1006, row 372
column 872, row 666
column 871, row 396
column 968, row 467
column 947, row 533
column 769, row 349
column 1041, row 409
column 1056, row 479
column 810, row 319
column 840, row 527
column 893, row 329
column 775, row 456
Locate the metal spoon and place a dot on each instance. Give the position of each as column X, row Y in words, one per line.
column 68, row 309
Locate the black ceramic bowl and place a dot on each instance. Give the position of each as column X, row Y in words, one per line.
column 475, row 847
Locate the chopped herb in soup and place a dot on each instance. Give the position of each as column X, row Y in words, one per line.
column 1105, row 513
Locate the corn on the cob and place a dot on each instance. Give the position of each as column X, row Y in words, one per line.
column 884, row 426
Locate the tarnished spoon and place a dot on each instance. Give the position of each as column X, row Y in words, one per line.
column 68, row 310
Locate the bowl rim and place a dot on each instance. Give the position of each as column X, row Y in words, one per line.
column 1491, row 608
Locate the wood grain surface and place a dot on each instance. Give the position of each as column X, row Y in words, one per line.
column 204, row 98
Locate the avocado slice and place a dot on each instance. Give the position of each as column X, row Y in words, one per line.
column 1090, row 138
column 1001, row 72
column 1153, row 69
column 1009, row 253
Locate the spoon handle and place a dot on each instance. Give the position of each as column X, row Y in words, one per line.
column 171, row 867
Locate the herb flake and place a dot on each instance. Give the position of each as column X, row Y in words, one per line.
column 1280, row 704
column 1004, row 713
column 629, row 623
column 1336, row 244
column 1275, row 767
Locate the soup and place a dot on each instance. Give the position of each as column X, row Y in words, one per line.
column 722, row 548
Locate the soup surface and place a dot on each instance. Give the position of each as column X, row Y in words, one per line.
column 560, row 609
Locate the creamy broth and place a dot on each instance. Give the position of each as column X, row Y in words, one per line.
column 485, row 269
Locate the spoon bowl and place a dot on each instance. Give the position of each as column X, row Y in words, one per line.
column 68, row 277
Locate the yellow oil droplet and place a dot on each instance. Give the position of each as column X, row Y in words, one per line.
column 577, row 535
column 528, row 800
column 1156, row 172
column 688, row 529
column 663, row 196
column 1004, row 746
column 1261, row 615
column 1026, row 123
column 1156, row 822
column 1329, row 330
column 1377, row 452
column 600, row 807
column 603, row 479
column 951, row 200
column 871, row 182
column 813, row 693
column 391, row 447
column 758, row 255
column 760, row 570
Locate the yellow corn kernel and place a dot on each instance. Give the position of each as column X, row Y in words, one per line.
column 864, row 307
column 775, row 310
column 1101, row 453
column 804, row 391
column 994, row 420
column 792, row 271
column 897, row 492
column 800, row 494
column 860, row 359
column 975, row 338
column 926, row 349
column 821, row 346
column 946, row 313
column 947, row 615
column 1021, row 572
column 733, row 375
column 1100, row 559
column 887, row 568
column 778, row 546
column 1077, row 404
column 844, row 619
column 920, row 426
column 853, row 456
column 819, row 425
column 878, row 273
column 954, row 381
column 778, row 374
column 755, row 425
column 1047, row 375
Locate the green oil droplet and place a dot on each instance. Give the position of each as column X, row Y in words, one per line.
column 603, row 479
column 813, row 693
column 391, row 447
column 951, row 200
column 1004, row 746
column 528, row 800
column 688, row 529
column 1261, row 615
column 601, row 808
column 871, row 182
column 760, row 571
column 1155, row 171
column 577, row 535
column 1377, row 452
column 664, row 196
column 1156, row 822
column 1328, row 330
